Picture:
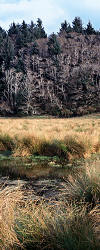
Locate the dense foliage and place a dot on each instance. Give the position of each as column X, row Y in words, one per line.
column 17, row 47
column 20, row 35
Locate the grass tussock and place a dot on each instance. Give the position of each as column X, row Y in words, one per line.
column 6, row 142
column 67, row 138
column 26, row 146
column 59, row 226
column 73, row 222
column 70, row 148
column 63, row 227
column 8, row 201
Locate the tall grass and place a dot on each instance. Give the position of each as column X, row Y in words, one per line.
column 73, row 222
column 63, row 227
column 69, row 148
column 8, row 201
column 67, row 138
column 6, row 142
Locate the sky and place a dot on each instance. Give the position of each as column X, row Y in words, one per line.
column 52, row 12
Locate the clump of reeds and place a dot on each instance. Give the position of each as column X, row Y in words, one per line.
column 26, row 146
column 71, row 147
column 8, row 201
column 72, row 222
column 6, row 142
column 38, row 226
column 55, row 227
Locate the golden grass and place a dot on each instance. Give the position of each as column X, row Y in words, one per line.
column 81, row 136
column 70, row 223
column 73, row 222
column 51, row 128
column 8, row 201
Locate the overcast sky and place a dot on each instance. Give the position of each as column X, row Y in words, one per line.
column 52, row 12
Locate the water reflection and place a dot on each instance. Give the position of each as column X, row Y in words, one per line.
column 34, row 167
column 37, row 176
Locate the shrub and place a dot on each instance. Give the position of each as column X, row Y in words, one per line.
column 6, row 142
column 74, row 148
column 54, row 148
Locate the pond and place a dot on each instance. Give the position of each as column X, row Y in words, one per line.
column 37, row 176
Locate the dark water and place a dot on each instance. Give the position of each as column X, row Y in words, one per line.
column 34, row 167
column 38, row 176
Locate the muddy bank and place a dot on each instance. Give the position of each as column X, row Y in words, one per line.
column 46, row 189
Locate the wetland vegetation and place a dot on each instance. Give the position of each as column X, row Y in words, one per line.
column 50, row 183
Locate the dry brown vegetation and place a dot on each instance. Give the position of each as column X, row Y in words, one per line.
column 73, row 222
column 71, row 138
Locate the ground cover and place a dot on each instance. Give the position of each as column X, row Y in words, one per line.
column 57, row 204
column 52, row 211
column 66, row 138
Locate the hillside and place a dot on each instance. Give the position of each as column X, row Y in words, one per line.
column 59, row 75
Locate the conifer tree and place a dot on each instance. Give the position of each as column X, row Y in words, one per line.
column 77, row 25
column 34, row 49
column 90, row 30
column 31, row 31
column 53, row 45
column 8, row 52
column 13, row 30
column 39, row 30
column 65, row 27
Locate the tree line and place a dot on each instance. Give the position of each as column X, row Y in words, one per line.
column 21, row 37
column 77, row 26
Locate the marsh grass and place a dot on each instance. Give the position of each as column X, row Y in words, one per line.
column 67, row 138
column 8, row 201
column 63, row 227
column 69, row 148
column 6, row 143
column 72, row 222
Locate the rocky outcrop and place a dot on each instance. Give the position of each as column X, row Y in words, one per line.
column 64, row 85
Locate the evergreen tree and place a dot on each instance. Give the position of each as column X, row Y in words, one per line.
column 34, row 49
column 32, row 25
column 20, row 66
column 13, row 30
column 3, row 33
column 90, row 30
column 39, row 31
column 39, row 23
column 77, row 25
column 3, row 85
column 31, row 31
column 1, row 48
column 8, row 52
column 1, row 41
column 19, row 40
column 25, row 33
column 53, row 45
column 65, row 27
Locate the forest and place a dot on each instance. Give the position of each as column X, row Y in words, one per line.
column 37, row 70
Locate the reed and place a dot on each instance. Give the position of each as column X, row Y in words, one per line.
column 72, row 222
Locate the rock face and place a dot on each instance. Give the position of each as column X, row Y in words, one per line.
column 64, row 85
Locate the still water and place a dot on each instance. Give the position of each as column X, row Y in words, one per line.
column 38, row 176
